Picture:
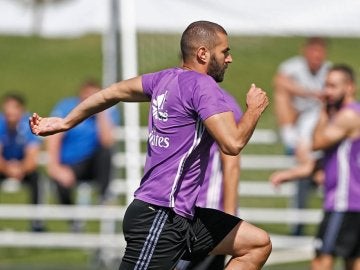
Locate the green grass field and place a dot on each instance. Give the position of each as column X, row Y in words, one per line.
column 46, row 70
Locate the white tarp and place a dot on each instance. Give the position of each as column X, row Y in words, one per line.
column 269, row 17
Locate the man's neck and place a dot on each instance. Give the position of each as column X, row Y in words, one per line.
column 201, row 68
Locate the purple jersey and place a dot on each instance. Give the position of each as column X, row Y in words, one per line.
column 178, row 143
column 211, row 192
column 342, row 174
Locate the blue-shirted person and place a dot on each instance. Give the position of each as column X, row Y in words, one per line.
column 82, row 154
column 19, row 148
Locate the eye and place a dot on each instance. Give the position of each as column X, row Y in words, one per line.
column 226, row 52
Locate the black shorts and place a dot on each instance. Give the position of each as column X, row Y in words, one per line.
column 157, row 237
column 339, row 235
column 213, row 262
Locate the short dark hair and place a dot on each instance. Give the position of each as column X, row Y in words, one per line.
column 315, row 40
column 199, row 33
column 14, row 95
column 90, row 82
column 346, row 70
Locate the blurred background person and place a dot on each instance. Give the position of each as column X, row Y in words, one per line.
column 337, row 133
column 19, row 148
column 83, row 154
column 298, row 88
column 218, row 191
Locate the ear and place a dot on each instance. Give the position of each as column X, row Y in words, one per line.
column 351, row 88
column 203, row 54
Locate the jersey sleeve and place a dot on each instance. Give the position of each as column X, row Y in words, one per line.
column 234, row 105
column 148, row 83
column 208, row 99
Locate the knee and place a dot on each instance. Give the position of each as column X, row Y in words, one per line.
column 260, row 246
column 264, row 245
column 257, row 254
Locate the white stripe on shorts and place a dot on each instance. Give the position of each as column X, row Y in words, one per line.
column 151, row 240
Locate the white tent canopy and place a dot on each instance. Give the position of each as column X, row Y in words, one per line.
column 255, row 17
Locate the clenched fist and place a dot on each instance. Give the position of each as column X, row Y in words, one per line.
column 256, row 99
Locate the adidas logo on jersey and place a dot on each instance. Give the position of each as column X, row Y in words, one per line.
column 158, row 108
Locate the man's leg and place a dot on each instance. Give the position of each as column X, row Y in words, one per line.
column 300, row 200
column 213, row 262
column 64, row 194
column 304, row 157
column 155, row 237
column 284, row 110
column 248, row 245
column 328, row 241
column 32, row 180
column 84, row 172
column 216, row 262
column 102, row 172
column 218, row 233
column 286, row 116
column 322, row 262
column 352, row 264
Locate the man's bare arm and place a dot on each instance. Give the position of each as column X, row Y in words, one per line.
column 328, row 133
column 127, row 91
column 231, row 175
column 232, row 137
column 283, row 82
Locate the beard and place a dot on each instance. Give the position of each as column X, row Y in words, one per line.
column 334, row 105
column 215, row 70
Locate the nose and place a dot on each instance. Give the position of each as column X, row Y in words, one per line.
column 229, row 59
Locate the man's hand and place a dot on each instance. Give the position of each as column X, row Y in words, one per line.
column 278, row 177
column 46, row 126
column 256, row 99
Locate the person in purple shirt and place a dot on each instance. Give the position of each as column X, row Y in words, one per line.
column 218, row 191
column 338, row 135
column 188, row 113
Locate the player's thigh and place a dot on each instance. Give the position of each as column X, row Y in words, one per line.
column 241, row 239
column 210, row 227
column 154, row 237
